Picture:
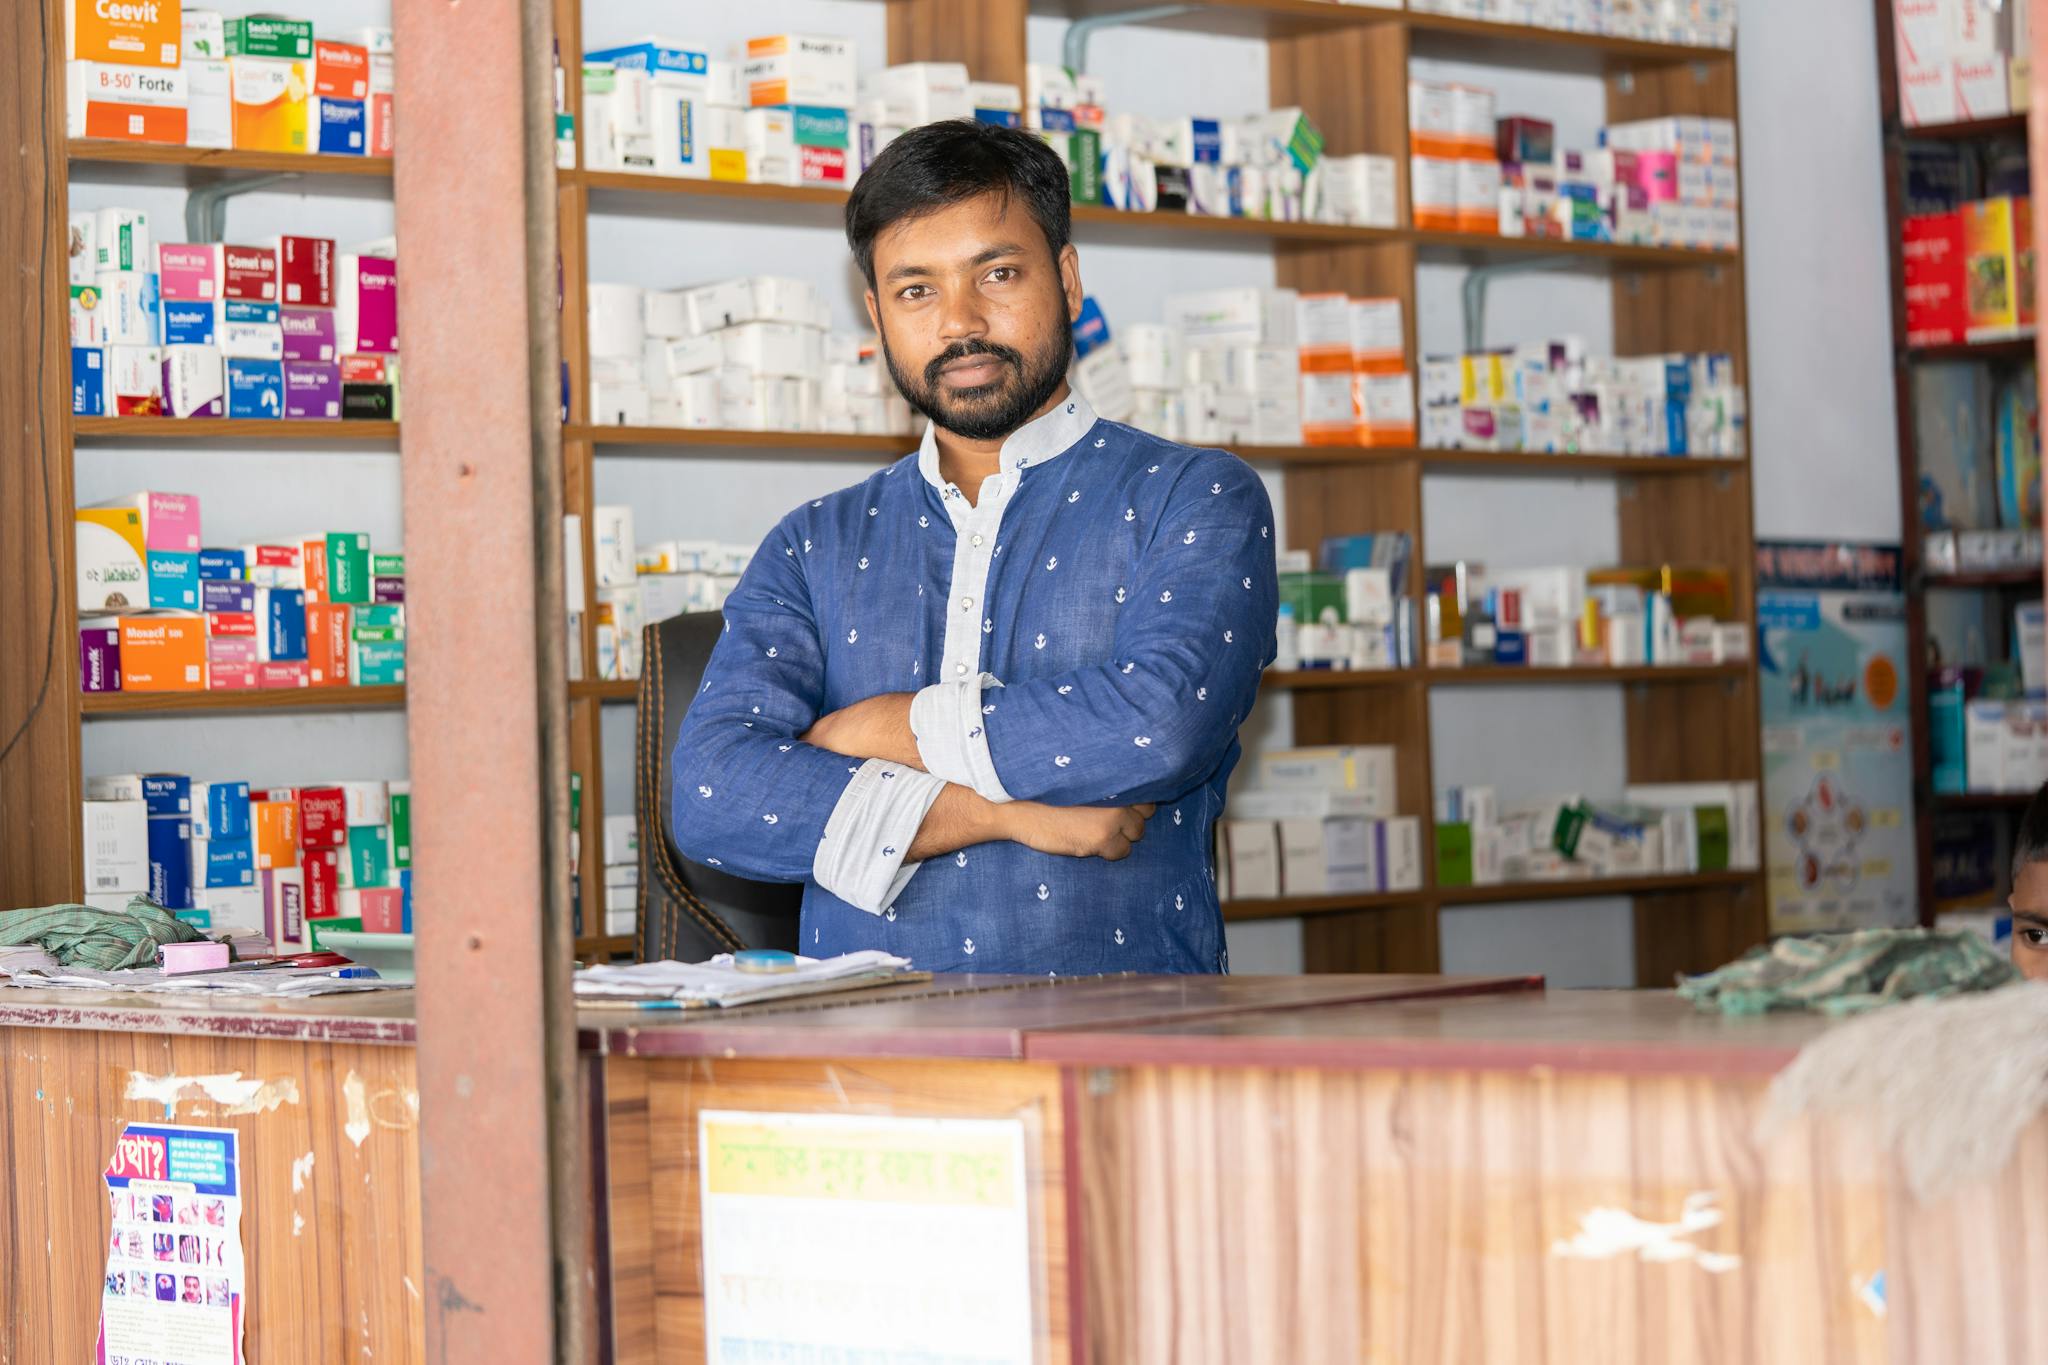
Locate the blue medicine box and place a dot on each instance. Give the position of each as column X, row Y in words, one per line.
column 173, row 579
column 189, row 323
column 88, row 382
column 224, row 566
column 255, row 388
column 342, row 125
column 286, row 626
column 170, row 870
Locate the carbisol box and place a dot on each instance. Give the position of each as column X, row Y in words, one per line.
column 173, row 578
column 312, row 390
column 188, row 272
column 163, row 652
column 366, row 319
column 255, row 388
column 194, row 383
column 305, row 270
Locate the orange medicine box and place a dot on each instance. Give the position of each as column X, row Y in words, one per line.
column 130, row 32
column 276, row 828
column 327, row 632
column 169, row 652
column 341, row 70
column 1998, row 267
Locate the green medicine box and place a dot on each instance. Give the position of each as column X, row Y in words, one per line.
column 1454, row 854
column 1084, row 166
column 401, row 829
column 378, row 621
column 344, row 924
column 387, row 566
column 1311, row 594
column 379, row 663
column 348, row 566
column 816, row 126
column 270, row 35
column 369, row 856
column 1712, row 822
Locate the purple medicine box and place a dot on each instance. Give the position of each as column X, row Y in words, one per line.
column 312, row 390
column 308, row 335
column 99, row 658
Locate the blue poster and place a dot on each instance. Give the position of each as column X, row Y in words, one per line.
column 1837, row 737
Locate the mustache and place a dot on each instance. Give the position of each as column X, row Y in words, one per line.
column 961, row 350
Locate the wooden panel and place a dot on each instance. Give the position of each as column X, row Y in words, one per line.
column 1377, row 271
column 988, row 35
column 657, row 1260
column 1403, row 939
column 1682, row 310
column 1353, row 84
column 1411, row 1216
column 41, row 858
column 1693, row 732
column 333, row 1253
column 1692, row 932
column 1705, row 89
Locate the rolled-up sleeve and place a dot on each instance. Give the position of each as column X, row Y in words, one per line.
column 952, row 742
column 1157, row 719
column 752, row 798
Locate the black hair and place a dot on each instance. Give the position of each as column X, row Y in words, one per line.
column 950, row 162
column 2030, row 841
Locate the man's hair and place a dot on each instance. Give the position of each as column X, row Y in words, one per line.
column 2030, row 841
column 947, row 163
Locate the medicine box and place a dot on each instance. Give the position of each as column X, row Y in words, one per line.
column 268, row 104
column 1997, row 271
column 323, row 817
column 797, row 68
column 194, row 382
column 188, row 272
column 347, row 557
column 401, row 824
column 126, row 103
column 281, row 625
column 190, row 323
column 1249, row 858
column 209, row 102
column 327, row 644
column 255, row 388
column 130, row 307
column 341, row 70
column 220, row 810
column 309, row 333
column 338, row 127
column 274, row 828
column 1365, row 769
column 320, row 869
column 116, row 846
column 312, row 390
column 99, row 656
column 250, row 273
column 163, row 652
column 109, row 548
column 170, row 863
column 305, row 267
column 284, row 908
column 88, row 382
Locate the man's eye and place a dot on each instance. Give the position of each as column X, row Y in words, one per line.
column 915, row 291
column 2034, row 938
column 1002, row 274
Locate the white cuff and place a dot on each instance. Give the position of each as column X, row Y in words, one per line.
column 952, row 739
column 860, row 857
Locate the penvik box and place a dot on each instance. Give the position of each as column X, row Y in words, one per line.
column 99, row 657
column 341, row 70
column 163, row 652
column 284, row 908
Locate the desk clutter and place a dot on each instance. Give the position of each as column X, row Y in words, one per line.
column 731, row 979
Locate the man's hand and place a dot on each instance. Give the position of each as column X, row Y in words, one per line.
column 876, row 728
column 1105, row 832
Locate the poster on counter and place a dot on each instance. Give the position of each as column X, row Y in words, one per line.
column 175, row 1291
column 1837, row 737
column 846, row 1237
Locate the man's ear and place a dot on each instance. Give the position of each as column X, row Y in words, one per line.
column 1070, row 280
column 874, row 318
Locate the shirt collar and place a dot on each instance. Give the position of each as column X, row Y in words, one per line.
column 1043, row 438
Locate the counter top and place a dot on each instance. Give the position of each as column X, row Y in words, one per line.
column 1634, row 1032
column 364, row 1017
column 995, row 1016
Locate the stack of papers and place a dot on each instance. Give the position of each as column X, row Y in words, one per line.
column 245, row 981
column 719, row 982
column 26, row 958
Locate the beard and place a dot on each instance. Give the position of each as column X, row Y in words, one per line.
column 991, row 411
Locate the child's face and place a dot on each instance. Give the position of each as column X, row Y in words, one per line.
column 2030, row 921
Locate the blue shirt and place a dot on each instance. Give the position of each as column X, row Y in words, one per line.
column 1090, row 631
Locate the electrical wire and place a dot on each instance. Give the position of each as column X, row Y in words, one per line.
column 42, row 418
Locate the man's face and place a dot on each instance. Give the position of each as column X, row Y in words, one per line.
column 2030, row 921
column 973, row 311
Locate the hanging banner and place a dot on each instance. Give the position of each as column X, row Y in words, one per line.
column 850, row 1237
column 1837, row 737
column 174, row 1290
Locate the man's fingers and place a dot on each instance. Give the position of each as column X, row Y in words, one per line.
column 1145, row 811
column 1117, row 849
column 1133, row 826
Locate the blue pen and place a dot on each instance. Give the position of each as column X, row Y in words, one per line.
column 351, row 973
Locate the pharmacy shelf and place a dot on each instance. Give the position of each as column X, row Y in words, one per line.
column 296, row 699
column 219, row 162
column 1588, row 887
column 2009, row 348
column 1254, row 231
column 1494, row 675
column 1527, row 462
column 111, row 430
column 605, row 690
column 708, row 441
column 1971, row 801
column 2010, row 125
column 1481, row 248
column 1286, row 907
column 1330, row 679
column 2028, row 577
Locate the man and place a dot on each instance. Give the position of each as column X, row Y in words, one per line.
column 2029, row 899
column 984, row 703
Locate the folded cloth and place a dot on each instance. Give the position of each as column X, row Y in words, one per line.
column 1852, row 972
column 102, row 940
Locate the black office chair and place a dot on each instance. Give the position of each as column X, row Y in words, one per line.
column 689, row 911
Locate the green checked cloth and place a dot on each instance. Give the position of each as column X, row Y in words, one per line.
column 1852, row 972
column 99, row 940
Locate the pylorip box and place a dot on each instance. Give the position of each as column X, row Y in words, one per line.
column 305, row 268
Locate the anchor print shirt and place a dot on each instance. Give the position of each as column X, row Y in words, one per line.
column 1090, row 631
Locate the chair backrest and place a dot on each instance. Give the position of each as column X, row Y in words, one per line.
column 689, row 911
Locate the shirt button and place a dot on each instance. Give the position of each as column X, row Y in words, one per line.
column 977, row 540
column 966, row 604
column 959, row 668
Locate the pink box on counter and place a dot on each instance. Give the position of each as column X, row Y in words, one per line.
column 283, row 673
column 193, row 957
column 312, row 390
column 99, row 658
column 308, row 333
column 188, row 272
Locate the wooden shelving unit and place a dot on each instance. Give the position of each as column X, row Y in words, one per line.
column 1979, row 134
column 259, row 701
column 1347, row 66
